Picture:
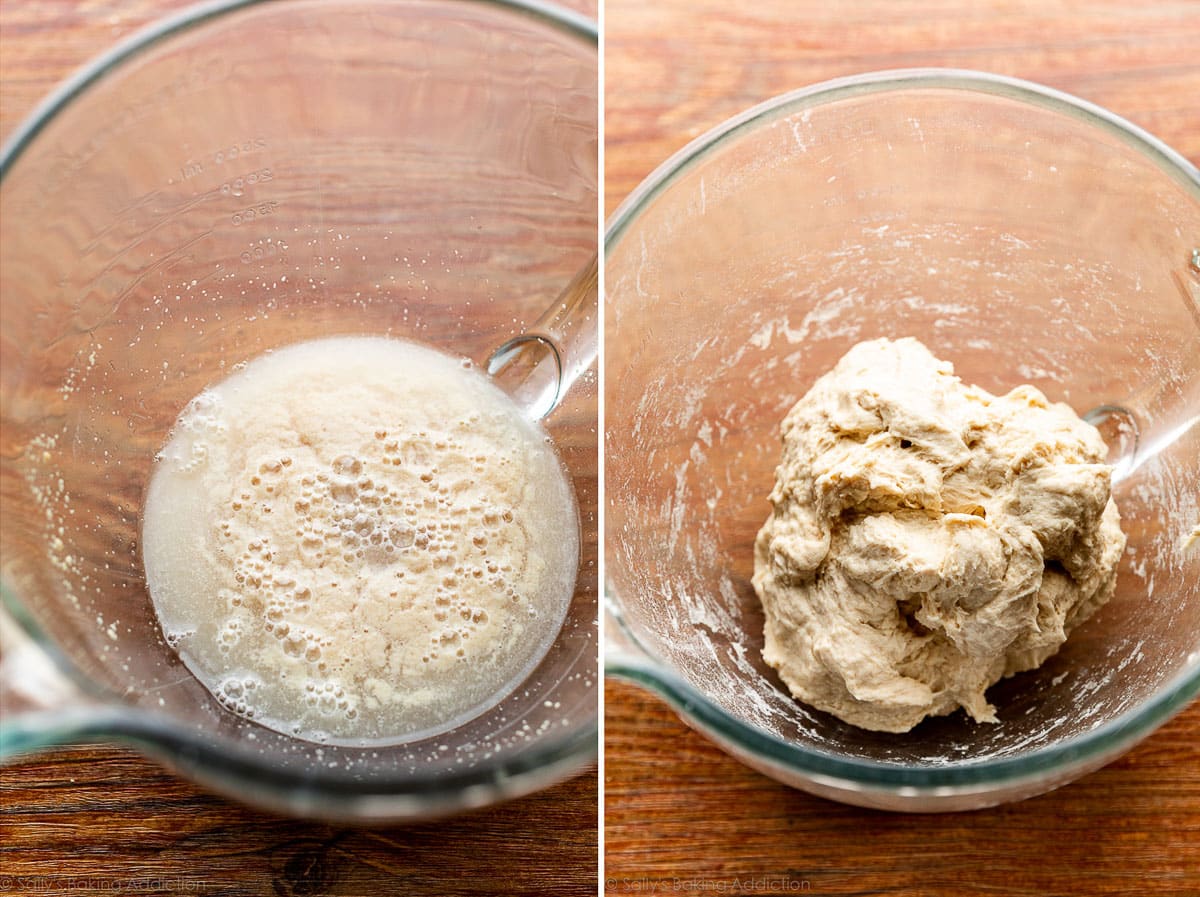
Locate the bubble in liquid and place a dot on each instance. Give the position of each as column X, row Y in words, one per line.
column 294, row 644
column 347, row 466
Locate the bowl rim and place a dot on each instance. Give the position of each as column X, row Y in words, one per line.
column 210, row 759
column 639, row 665
column 1170, row 161
column 558, row 17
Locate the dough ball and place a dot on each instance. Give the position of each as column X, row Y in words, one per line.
column 927, row 538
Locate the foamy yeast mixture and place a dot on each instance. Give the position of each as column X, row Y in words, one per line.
column 359, row 539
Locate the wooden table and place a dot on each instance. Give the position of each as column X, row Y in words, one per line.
column 682, row 817
column 98, row 819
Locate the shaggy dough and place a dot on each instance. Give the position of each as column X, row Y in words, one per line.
column 928, row 538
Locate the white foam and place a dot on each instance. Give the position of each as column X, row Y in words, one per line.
column 359, row 539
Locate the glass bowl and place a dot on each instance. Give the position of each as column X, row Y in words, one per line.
column 1023, row 235
column 242, row 177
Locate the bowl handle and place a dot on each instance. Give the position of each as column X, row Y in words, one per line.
column 537, row 367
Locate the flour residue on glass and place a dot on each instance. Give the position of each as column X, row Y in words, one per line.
column 742, row 374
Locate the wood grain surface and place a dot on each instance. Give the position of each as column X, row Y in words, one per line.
column 100, row 820
column 681, row 816
column 97, row 819
column 675, row 68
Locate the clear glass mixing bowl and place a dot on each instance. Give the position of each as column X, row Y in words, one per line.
column 1023, row 235
column 242, row 177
